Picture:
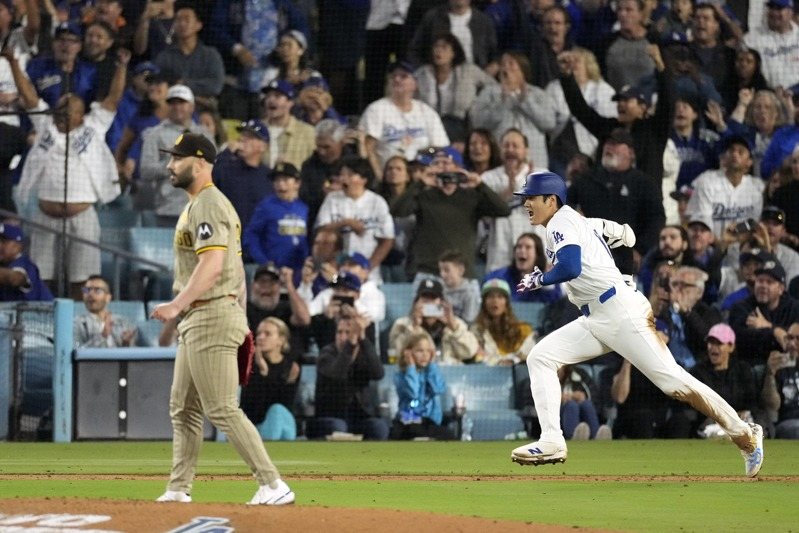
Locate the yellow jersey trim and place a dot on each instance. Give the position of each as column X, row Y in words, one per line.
column 206, row 248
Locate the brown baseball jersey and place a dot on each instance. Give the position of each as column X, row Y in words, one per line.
column 209, row 222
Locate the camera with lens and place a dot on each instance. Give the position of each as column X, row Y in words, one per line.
column 452, row 177
column 747, row 226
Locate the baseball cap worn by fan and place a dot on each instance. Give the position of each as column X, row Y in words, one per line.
column 192, row 145
column 254, row 128
column 431, row 288
column 772, row 268
column 68, row 27
column 780, row 4
column 285, row 169
column 495, row 284
column 356, row 258
column 755, row 254
column 268, row 269
column 10, row 232
column 722, row 333
column 702, row 219
column 146, row 67
column 739, row 140
column 180, row 92
column 773, row 213
column 629, row 91
column 428, row 155
column 346, row 280
column 282, row 86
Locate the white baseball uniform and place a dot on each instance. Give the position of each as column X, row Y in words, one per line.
column 617, row 318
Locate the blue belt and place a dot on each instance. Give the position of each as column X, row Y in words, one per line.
column 604, row 297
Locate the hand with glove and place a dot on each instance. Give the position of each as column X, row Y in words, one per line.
column 618, row 234
column 531, row 282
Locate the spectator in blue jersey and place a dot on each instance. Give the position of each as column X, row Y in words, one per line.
column 19, row 276
column 240, row 173
column 132, row 99
column 278, row 231
column 63, row 71
column 528, row 253
column 695, row 144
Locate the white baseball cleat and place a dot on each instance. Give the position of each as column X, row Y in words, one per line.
column 753, row 460
column 539, row 453
column 280, row 495
column 174, row 496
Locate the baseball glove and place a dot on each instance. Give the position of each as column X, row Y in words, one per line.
column 245, row 355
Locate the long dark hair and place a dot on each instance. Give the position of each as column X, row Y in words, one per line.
column 494, row 159
column 506, row 326
column 459, row 54
column 758, row 81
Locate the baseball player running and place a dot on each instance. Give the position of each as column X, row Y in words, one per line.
column 210, row 297
column 616, row 317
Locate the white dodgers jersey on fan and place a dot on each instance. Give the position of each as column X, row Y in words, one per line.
column 599, row 272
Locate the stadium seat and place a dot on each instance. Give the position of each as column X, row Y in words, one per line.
column 530, row 312
column 135, row 311
column 154, row 244
column 118, row 216
column 149, row 331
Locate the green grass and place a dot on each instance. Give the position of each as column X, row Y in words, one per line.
column 497, row 488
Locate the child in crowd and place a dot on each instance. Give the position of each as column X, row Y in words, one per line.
column 462, row 293
column 419, row 385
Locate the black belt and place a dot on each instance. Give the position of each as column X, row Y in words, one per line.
column 604, row 297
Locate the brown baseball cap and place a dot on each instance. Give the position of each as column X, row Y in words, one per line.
column 193, row 145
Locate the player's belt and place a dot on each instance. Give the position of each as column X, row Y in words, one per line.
column 604, row 297
column 199, row 303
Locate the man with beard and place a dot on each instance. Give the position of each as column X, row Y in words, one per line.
column 210, row 295
column 760, row 321
column 273, row 294
column 672, row 247
column 615, row 190
column 503, row 180
column 99, row 328
column 97, row 44
column 63, row 71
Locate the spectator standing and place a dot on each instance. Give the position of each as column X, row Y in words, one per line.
column 481, row 152
column 99, row 328
column 246, row 33
column 190, row 62
column 344, row 370
column 19, row 276
column 516, row 103
column 730, row 194
column 761, row 320
column 472, row 27
column 615, row 190
column 695, row 145
column 430, row 313
column 627, row 58
column 98, row 44
column 387, row 39
column 268, row 398
column 420, row 385
column 168, row 201
column 292, row 141
column 554, row 39
column 504, row 180
column 21, row 41
column 398, row 124
column 449, row 84
column 504, row 339
column 528, row 253
column 278, row 230
column 155, row 29
column 396, row 180
column 92, row 175
column 240, row 174
column 11, row 149
column 778, row 44
column 570, row 136
column 359, row 214
column 447, row 206
column 290, row 62
column 780, row 392
column 709, row 24
column 331, row 144
column 63, row 72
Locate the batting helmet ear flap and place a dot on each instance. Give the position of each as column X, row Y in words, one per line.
column 544, row 183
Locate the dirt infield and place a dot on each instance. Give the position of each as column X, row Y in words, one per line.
column 78, row 515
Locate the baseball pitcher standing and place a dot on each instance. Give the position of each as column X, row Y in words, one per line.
column 210, row 296
column 616, row 317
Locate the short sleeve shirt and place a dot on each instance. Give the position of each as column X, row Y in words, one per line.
column 209, row 222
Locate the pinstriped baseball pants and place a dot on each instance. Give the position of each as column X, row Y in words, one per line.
column 205, row 381
column 624, row 324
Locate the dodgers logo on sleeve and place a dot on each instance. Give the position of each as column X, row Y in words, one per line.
column 557, row 236
column 204, row 231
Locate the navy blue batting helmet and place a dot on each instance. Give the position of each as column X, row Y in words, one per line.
column 544, row 183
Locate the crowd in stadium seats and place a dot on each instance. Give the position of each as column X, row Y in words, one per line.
column 371, row 150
